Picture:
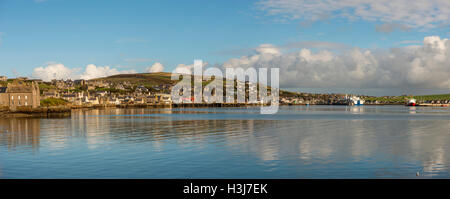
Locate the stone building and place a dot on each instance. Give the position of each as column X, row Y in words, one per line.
column 20, row 93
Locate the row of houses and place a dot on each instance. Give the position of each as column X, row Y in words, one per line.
column 25, row 92
column 101, row 98
column 20, row 93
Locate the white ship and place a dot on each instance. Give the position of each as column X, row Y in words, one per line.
column 356, row 101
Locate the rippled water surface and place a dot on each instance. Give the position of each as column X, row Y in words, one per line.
column 297, row 142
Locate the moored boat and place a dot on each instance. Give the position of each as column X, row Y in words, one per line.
column 411, row 102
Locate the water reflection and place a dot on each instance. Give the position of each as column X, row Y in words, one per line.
column 173, row 143
column 356, row 109
column 17, row 132
column 412, row 110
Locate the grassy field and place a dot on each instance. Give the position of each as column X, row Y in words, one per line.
column 433, row 97
column 53, row 102
column 387, row 99
column 46, row 87
column 400, row 99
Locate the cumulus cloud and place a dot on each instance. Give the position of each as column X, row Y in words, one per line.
column 186, row 69
column 320, row 45
column 53, row 71
column 59, row 71
column 155, row 68
column 414, row 14
column 268, row 49
column 422, row 66
column 92, row 71
column 183, row 69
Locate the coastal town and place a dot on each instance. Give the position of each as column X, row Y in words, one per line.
column 124, row 91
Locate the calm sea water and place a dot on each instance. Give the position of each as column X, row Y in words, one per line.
column 298, row 142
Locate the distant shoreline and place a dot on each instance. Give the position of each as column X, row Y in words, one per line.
column 65, row 111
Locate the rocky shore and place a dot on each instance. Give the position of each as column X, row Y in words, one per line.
column 61, row 111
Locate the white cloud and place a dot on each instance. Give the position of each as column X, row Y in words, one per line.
column 423, row 66
column 268, row 49
column 413, row 14
column 59, row 71
column 321, row 45
column 183, row 69
column 93, row 71
column 186, row 69
column 155, row 68
column 53, row 71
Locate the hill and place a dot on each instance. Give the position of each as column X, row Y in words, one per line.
column 402, row 99
column 146, row 79
column 433, row 97
column 154, row 79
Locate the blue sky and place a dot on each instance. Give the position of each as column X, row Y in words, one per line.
column 133, row 35
column 118, row 33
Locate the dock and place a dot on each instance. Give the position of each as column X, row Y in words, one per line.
column 434, row 105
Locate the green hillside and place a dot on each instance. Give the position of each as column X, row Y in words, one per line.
column 401, row 99
column 154, row 79
column 433, row 97
column 146, row 79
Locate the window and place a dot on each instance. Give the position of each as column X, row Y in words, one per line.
column 18, row 97
column 26, row 97
column 26, row 103
column 12, row 97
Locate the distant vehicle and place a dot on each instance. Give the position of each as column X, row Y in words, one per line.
column 411, row 102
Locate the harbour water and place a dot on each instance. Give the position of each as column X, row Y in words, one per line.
column 297, row 142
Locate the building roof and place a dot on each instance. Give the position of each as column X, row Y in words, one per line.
column 19, row 89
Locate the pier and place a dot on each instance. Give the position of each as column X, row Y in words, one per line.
column 434, row 105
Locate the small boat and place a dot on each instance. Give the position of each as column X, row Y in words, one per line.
column 412, row 102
